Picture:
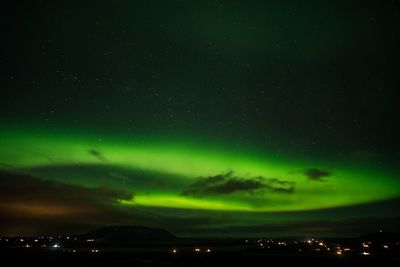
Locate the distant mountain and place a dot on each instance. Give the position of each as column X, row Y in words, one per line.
column 126, row 234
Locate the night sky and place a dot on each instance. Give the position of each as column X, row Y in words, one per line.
column 206, row 118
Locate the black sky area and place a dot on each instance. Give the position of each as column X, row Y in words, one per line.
column 289, row 74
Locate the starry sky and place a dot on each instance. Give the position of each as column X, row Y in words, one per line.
column 206, row 118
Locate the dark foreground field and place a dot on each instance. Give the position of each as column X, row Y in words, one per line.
column 34, row 257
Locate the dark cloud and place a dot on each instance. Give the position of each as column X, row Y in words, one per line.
column 24, row 187
column 315, row 174
column 97, row 154
column 26, row 198
column 227, row 183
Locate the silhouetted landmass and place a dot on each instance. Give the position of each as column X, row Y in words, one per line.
column 126, row 235
column 144, row 246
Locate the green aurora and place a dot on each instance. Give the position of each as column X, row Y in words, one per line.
column 177, row 164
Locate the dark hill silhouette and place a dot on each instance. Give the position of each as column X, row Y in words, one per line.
column 126, row 234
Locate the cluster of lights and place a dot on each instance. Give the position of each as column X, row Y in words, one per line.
column 315, row 245
column 365, row 245
column 315, row 241
column 263, row 242
column 208, row 250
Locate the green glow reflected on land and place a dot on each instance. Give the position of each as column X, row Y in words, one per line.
column 185, row 161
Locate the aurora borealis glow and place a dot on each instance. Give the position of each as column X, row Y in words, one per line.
column 218, row 119
column 184, row 162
